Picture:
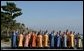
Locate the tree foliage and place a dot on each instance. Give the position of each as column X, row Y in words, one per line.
column 8, row 13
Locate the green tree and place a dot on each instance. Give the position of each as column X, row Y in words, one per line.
column 8, row 13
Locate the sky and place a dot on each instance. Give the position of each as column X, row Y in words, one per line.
column 51, row 15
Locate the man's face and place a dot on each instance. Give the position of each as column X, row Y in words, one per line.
column 59, row 31
column 63, row 32
column 30, row 32
column 70, row 32
column 73, row 32
column 67, row 30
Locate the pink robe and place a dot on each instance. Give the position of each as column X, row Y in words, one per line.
column 27, row 40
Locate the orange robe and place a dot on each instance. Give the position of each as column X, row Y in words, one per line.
column 34, row 40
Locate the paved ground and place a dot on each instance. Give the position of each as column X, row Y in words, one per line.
column 5, row 44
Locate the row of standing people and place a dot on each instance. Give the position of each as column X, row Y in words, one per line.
column 44, row 39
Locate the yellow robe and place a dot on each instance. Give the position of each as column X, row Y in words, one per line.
column 45, row 40
column 79, row 43
column 39, row 41
column 68, row 40
column 20, row 40
column 72, row 40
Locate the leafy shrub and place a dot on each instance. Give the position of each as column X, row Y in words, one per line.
column 6, row 39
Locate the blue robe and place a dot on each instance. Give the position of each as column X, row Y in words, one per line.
column 64, row 41
column 58, row 40
column 52, row 40
column 55, row 41
column 17, row 38
column 14, row 39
